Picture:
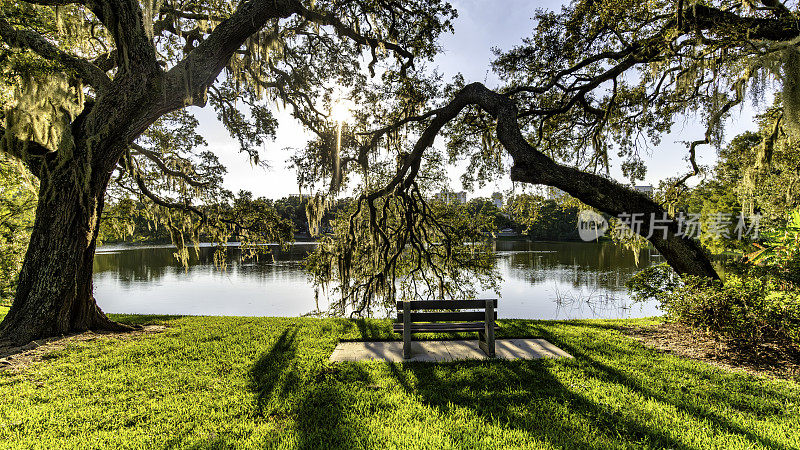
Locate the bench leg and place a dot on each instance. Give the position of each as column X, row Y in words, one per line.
column 483, row 344
column 486, row 337
column 406, row 330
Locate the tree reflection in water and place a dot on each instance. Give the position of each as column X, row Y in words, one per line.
column 542, row 280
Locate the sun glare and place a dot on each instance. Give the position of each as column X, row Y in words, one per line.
column 342, row 110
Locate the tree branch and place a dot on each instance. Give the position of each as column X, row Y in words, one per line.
column 154, row 157
column 158, row 200
column 344, row 30
column 189, row 80
column 30, row 40
column 531, row 166
column 702, row 17
column 779, row 9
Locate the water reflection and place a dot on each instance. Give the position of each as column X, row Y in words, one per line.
column 132, row 264
column 540, row 281
column 580, row 264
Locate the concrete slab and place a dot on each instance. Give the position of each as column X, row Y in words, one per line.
column 522, row 348
column 428, row 351
column 442, row 351
column 463, row 350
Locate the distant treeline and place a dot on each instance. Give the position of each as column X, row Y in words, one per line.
column 539, row 218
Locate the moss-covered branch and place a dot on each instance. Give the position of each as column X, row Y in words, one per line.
column 30, row 40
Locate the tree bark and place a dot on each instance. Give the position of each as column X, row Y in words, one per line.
column 54, row 292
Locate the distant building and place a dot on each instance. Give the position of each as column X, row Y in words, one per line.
column 497, row 199
column 300, row 196
column 452, row 197
column 645, row 189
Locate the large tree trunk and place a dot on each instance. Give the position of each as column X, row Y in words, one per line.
column 54, row 293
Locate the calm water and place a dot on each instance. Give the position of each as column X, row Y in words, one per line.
column 541, row 280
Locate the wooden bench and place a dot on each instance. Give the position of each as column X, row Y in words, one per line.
column 442, row 317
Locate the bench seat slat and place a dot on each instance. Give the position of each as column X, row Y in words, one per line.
column 464, row 316
column 442, row 327
column 447, row 304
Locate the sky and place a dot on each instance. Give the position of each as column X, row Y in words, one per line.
column 480, row 26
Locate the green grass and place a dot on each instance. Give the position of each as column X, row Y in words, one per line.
column 225, row 382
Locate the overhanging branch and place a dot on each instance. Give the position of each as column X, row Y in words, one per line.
column 137, row 177
column 531, row 166
column 156, row 159
column 30, row 40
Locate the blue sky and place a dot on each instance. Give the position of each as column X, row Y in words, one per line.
column 481, row 25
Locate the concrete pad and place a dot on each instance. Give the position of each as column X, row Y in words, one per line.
column 428, row 351
column 442, row 351
column 522, row 348
column 548, row 347
column 462, row 350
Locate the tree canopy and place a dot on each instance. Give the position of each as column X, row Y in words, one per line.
column 63, row 58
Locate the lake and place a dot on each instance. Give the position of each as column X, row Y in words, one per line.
column 541, row 280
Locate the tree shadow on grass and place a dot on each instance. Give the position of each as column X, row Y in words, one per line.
column 271, row 375
column 526, row 396
column 724, row 381
column 688, row 403
column 307, row 400
column 651, row 377
column 369, row 330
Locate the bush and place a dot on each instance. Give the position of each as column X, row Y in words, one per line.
column 783, row 312
column 759, row 298
column 748, row 307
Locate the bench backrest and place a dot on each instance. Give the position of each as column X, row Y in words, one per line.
column 448, row 315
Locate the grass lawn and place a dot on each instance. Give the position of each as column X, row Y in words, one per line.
column 220, row 382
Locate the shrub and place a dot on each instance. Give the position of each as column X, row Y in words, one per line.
column 759, row 297
column 747, row 307
column 783, row 313
column 779, row 251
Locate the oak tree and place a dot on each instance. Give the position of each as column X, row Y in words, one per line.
column 91, row 76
